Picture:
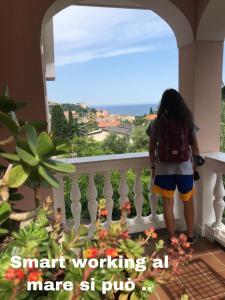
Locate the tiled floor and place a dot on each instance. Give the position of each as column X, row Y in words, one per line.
column 202, row 279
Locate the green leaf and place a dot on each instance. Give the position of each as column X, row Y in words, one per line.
column 17, row 176
column 39, row 125
column 62, row 145
column 7, row 104
column 49, row 178
column 5, row 285
column 8, row 122
column 5, row 210
column 82, row 230
column 59, row 166
column 22, row 143
column 10, row 156
column 3, row 231
column 31, row 135
column 45, row 146
column 27, row 157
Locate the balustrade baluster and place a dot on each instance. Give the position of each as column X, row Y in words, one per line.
column 108, row 193
column 138, row 196
column 58, row 196
column 219, row 203
column 92, row 203
column 123, row 188
column 76, row 205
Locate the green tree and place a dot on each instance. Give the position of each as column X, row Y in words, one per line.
column 70, row 132
column 140, row 120
column 223, row 93
column 82, row 129
column 114, row 144
column 140, row 139
column 222, row 137
column 86, row 146
column 59, row 126
column 151, row 112
column 92, row 124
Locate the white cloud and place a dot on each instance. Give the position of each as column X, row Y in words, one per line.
column 86, row 33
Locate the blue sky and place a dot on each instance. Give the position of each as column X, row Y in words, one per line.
column 112, row 56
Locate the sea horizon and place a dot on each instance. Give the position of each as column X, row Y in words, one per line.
column 128, row 109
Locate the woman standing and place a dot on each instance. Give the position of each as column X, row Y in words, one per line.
column 172, row 146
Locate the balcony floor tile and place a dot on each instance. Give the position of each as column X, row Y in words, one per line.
column 202, row 279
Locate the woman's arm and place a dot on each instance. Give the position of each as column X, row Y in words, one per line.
column 194, row 146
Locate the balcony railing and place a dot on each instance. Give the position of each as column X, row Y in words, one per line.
column 209, row 201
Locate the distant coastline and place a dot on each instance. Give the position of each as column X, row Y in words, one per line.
column 128, row 109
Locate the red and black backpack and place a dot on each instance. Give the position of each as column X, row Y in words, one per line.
column 173, row 140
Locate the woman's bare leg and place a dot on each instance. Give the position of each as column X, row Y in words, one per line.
column 168, row 215
column 189, row 216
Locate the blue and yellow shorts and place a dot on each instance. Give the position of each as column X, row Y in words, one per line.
column 165, row 185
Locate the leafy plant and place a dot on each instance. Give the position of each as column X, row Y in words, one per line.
column 38, row 240
column 32, row 162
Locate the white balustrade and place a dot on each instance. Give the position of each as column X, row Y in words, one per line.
column 106, row 165
column 210, row 198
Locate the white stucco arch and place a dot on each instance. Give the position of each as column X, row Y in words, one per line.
column 212, row 23
column 164, row 8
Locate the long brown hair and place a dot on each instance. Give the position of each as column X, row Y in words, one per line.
column 173, row 106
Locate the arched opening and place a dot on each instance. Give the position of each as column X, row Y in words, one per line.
column 107, row 56
column 116, row 61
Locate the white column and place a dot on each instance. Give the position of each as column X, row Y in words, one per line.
column 76, row 205
column 92, row 203
column 200, row 81
column 138, row 196
column 58, row 196
column 108, row 193
column 219, row 203
column 123, row 188
column 153, row 201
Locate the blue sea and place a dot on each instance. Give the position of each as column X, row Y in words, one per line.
column 129, row 109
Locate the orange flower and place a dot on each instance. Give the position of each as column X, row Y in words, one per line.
column 102, row 234
column 12, row 274
column 151, row 233
column 174, row 241
column 186, row 245
column 154, row 235
column 20, row 274
column 104, row 212
column 91, row 253
column 125, row 234
column 126, row 206
column 183, row 238
column 35, row 276
column 111, row 252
